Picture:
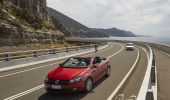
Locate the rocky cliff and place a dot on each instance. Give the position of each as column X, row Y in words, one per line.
column 26, row 21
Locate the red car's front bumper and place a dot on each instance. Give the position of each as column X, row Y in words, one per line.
column 71, row 87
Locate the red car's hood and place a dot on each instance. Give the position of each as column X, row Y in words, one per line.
column 65, row 73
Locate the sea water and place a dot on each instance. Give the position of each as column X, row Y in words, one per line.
column 165, row 41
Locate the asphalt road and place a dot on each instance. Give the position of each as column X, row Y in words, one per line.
column 24, row 80
column 163, row 72
column 132, row 87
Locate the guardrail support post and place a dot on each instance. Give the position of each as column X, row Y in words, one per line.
column 53, row 51
column 153, row 62
column 7, row 57
column 67, row 49
column 95, row 47
column 153, row 75
column 35, row 54
column 149, row 96
column 76, row 48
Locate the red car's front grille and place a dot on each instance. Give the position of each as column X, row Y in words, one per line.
column 60, row 82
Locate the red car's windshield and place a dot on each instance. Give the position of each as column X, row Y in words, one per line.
column 76, row 63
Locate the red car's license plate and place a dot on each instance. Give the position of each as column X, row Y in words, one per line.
column 55, row 86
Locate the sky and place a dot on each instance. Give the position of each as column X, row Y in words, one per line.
column 142, row 17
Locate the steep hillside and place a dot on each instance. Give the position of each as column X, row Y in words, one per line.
column 115, row 32
column 71, row 27
column 26, row 21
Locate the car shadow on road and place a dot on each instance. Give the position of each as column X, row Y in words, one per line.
column 69, row 96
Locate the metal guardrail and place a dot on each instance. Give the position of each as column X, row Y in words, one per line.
column 148, row 90
column 7, row 56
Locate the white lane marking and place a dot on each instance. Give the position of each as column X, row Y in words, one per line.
column 122, row 47
column 40, row 86
column 133, row 97
column 36, row 67
column 144, row 87
column 124, row 79
column 98, row 51
column 120, row 97
column 28, row 70
column 105, row 49
column 25, row 92
column 145, row 52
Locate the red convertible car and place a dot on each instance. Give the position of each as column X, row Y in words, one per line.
column 77, row 74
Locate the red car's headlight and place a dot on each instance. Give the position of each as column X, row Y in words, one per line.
column 77, row 79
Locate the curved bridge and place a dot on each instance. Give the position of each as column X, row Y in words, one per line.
column 128, row 75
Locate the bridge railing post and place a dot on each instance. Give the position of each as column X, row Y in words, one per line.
column 7, row 57
column 35, row 54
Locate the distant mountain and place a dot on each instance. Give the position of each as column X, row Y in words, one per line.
column 72, row 28
column 114, row 32
column 143, row 36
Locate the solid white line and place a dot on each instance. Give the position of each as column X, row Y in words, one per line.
column 144, row 86
column 145, row 52
column 122, row 47
column 124, row 79
column 42, row 85
column 98, row 51
column 28, row 70
column 25, row 92
column 106, row 48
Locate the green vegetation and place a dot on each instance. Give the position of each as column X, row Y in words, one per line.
column 49, row 25
column 36, row 23
column 14, row 10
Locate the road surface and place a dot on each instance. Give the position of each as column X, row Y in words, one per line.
column 26, row 83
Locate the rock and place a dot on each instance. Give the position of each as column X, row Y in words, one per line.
column 25, row 22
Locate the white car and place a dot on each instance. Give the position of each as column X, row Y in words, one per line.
column 130, row 46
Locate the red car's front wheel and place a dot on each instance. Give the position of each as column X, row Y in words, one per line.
column 108, row 72
column 88, row 85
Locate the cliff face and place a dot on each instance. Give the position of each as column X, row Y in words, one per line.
column 33, row 8
column 26, row 21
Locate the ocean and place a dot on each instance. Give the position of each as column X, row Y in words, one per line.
column 164, row 41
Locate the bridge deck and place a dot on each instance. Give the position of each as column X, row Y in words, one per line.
column 23, row 79
column 163, row 70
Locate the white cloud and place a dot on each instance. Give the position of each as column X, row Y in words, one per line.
column 147, row 17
